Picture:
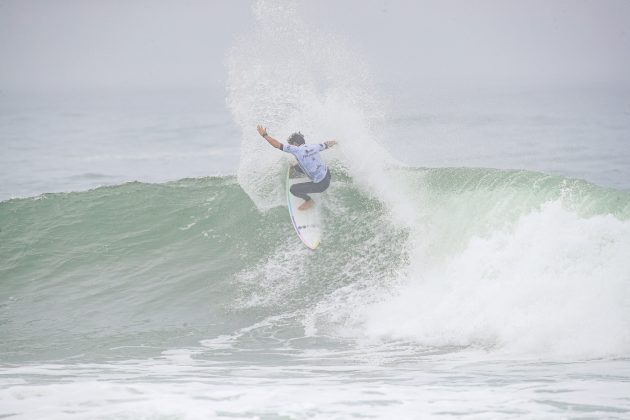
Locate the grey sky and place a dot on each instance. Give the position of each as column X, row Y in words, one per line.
column 112, row 43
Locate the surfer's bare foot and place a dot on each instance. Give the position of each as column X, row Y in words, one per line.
column 306, row 205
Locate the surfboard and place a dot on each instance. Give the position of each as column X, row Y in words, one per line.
column 305, row 222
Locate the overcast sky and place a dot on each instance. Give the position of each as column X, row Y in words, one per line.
column 159, row 43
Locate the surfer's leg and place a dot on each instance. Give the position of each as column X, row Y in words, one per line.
column 306, row 205
column 301, row 190
column 322, row 185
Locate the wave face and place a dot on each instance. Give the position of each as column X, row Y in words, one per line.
column 506, row 261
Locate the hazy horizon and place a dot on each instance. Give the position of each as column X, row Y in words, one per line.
column 146, row 44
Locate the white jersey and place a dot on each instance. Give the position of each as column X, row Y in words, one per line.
column 309, row 160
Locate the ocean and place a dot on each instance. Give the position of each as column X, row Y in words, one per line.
column 475, row 255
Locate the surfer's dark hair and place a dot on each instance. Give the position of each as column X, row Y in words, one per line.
column 296, row 139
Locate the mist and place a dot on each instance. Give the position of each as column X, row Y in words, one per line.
column 163, row 44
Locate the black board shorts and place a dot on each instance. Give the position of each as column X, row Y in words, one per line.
column 303, row 189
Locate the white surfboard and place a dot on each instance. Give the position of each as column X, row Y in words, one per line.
column 305, row 222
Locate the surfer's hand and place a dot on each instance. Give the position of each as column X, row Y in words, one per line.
column 330, row 143
column 261, row 130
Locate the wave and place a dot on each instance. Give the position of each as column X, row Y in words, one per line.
column 502, row 260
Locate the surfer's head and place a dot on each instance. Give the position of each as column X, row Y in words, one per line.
column 296, row 139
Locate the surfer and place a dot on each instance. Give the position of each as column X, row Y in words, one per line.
column 309, row 163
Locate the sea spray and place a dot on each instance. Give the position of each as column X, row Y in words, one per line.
column 290, row 78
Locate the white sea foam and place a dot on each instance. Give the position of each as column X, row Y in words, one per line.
column 341, row 387
column 554, row 284
column 274, row 277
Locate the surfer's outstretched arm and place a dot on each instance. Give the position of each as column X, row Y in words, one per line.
column 263, row 132
column 330, row 143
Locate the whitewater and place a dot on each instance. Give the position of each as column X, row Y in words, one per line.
column 160, row 278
